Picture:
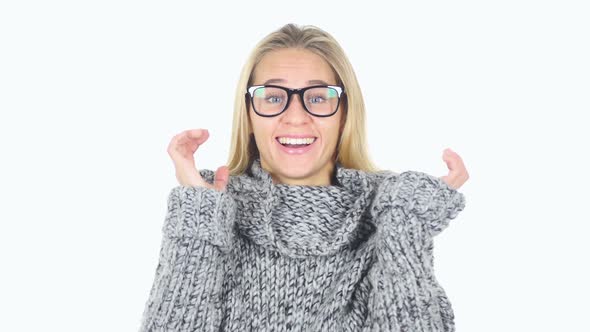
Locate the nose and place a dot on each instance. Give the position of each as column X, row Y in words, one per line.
column 295, row 110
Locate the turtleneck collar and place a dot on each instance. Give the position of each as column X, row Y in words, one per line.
column 302, row 220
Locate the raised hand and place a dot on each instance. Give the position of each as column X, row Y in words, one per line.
column 182, row 148
column 457, row 172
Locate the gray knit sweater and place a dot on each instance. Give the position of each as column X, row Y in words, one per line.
column 352, row 256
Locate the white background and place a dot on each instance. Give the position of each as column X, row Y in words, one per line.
column 92, row 92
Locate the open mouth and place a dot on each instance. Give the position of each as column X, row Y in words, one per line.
column 296, row 143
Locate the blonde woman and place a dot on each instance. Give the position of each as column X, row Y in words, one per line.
column 300, row 231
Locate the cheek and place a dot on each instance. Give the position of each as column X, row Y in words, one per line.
column 332, row 130
column 263, row 131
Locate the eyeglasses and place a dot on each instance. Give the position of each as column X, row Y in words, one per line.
column 272, row 100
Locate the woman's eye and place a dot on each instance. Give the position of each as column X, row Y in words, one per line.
column 273, row 99
column 317, row 99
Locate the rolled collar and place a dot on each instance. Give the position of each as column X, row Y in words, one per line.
column 324, row 218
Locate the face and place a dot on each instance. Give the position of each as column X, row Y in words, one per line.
column 312, row 165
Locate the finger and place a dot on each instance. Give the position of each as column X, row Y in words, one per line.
column 176, row 139
column 192, row 136
column 200, row 135
column 455, row 166
column 172, row 146
column 180, row 144
column 457, row 172
column 459, row 168
column 221, row 178
column 455, row 163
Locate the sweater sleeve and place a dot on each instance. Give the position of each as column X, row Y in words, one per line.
column 197, row 235
column 428, row 199
column 408, row 209
column 432, row 201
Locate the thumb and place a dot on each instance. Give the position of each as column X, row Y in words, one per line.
column 221, row 178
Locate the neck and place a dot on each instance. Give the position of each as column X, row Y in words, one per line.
column 322, row 178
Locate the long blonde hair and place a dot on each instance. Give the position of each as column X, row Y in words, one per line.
column 351, row 150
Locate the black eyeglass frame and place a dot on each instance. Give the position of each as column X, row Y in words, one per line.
column 290, row 92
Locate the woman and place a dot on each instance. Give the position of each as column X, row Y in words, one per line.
column 300, row 231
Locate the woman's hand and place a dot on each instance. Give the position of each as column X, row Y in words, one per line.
column 457, row 172
column 182, row 148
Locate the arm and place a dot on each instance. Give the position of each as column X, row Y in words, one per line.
column 408, row 209
column 431, row 200
column 421, row 199
column 197, row 235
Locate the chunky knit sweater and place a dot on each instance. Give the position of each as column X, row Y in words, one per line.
column 356, row 255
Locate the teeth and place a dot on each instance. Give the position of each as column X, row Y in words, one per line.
column 286, row 140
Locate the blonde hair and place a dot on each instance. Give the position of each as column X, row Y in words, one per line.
column 351, row 150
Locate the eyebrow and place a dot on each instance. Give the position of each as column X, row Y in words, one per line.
column 280, row 80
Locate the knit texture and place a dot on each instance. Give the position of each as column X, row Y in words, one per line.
column 356, row 255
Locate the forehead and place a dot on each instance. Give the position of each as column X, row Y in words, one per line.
column 294, row 66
